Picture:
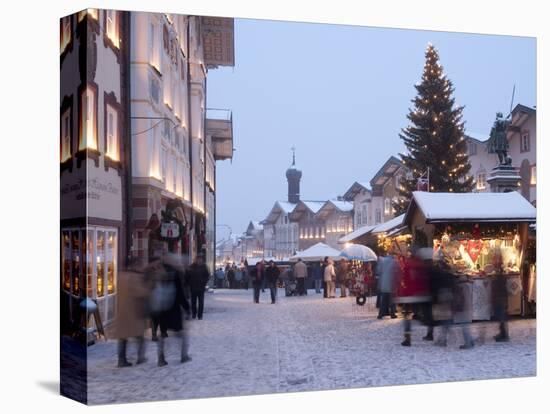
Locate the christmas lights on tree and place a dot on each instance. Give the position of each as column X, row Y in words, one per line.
column 435, row 137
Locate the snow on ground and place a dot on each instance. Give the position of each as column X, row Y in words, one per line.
column 302, row 344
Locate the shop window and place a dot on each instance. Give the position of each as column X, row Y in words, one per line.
column 66, row 260
column 111, row 27
column 481, row 181
column 100, row 264
column 112, row 143
column 66, row 135
column 111, row 261
column 88, row 119
column 76, row 259
column 533, row 180
column 88, row 255
column 65, row 33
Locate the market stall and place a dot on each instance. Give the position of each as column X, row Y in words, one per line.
column 360, row 272
column 481, row 236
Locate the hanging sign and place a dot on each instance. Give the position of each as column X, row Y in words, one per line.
column 169, row 230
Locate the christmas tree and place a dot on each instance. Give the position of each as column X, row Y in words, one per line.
column 435, row 137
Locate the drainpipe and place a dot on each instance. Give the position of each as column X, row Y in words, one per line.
column 128, row 135
column 189, row 128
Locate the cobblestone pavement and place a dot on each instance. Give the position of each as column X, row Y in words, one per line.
column 301, row 344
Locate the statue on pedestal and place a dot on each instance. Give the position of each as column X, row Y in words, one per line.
column 498, row 143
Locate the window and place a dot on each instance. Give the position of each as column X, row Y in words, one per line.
column 481, row 181
column 378, row 216
column 154, row 56
column 387, row 206
column 65, row 33
column 66, row 135
column 533, row 180
column 525, row 144
column 111, row 27
column 163, row 160
column 472, row 148
column 364, row 213
column 112, row 147
column 88, row 119
column 90, row 12
column 155, row 90
column 174, row 173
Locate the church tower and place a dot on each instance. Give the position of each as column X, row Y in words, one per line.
column 293, row 176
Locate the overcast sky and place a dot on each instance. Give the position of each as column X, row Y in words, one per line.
column 340, row 95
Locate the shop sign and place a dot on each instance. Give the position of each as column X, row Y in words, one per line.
column 169, row 230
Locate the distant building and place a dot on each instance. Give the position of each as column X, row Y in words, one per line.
column 337, row 216
column 311, row 228
column 360, row 195
column 252, row 241
column 384, row 189
column 481, row 161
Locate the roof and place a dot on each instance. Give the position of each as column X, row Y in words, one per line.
column 389, row 167
column 303, row 205
column 330, row 205
column 469, row 207
column 316, row 252
column 278, row 207
column 355, row 234
column 523, row 108
column 355, row 188
column 476, row 136
column 389, row 225
column 314, row 206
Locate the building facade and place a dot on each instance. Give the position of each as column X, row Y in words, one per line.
column 384, row 190
column 360, row 195
column 93, row 155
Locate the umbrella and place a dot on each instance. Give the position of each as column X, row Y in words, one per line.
column 358, row 252
column 316, row 253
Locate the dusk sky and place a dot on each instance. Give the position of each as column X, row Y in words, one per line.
column 340, row 95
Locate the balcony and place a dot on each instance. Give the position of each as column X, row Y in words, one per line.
column 219, row 125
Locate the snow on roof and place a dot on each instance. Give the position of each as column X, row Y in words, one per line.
column 286, row 206
column 389, row 225
column 445, row 207
column 316, row 252
column 342, row 205
column 257, row 225
column 355, row 234
column 314, row 206
column 478, row 136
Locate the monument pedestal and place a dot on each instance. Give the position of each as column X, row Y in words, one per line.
column 504, row 178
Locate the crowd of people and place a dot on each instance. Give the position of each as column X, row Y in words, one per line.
column 164, row 294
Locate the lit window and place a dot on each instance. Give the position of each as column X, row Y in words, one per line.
column 87, row 136
column 66, row 135
column 387, row 206
column 111, row 28
column 481, row 183
column 112, row 150
column 65, row 33
column 533, row 180
column 90, row 12
column 154, row 57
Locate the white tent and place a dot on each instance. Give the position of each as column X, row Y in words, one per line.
column 316, row 253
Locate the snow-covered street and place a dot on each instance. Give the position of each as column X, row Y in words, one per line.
column 301, row 343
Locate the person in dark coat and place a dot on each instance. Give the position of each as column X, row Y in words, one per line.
column 323, row 266
column 167, row 300
column 257, row 279
column 500, row 299
column 317, row 276
column 272, row 277
column 196, row 278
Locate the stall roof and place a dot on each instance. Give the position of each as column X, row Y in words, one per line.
column 355, row 234
column 469, row 207
column 389, row 225
column 316, row 252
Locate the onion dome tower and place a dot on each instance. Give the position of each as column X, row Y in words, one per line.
column 293, row 176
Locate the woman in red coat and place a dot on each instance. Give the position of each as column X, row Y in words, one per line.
column 413, row 289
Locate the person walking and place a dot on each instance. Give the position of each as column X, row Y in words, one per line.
column 167, row 300
column 324, row 265
column 257, row 280
column 330, row 279
column 245, row 274
column 317, row 276
column 342, row 276
column 197, row 277
column 500, row 299
column 300, row 273
column 272, row 273
column 131, row 313
column 388, row 269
